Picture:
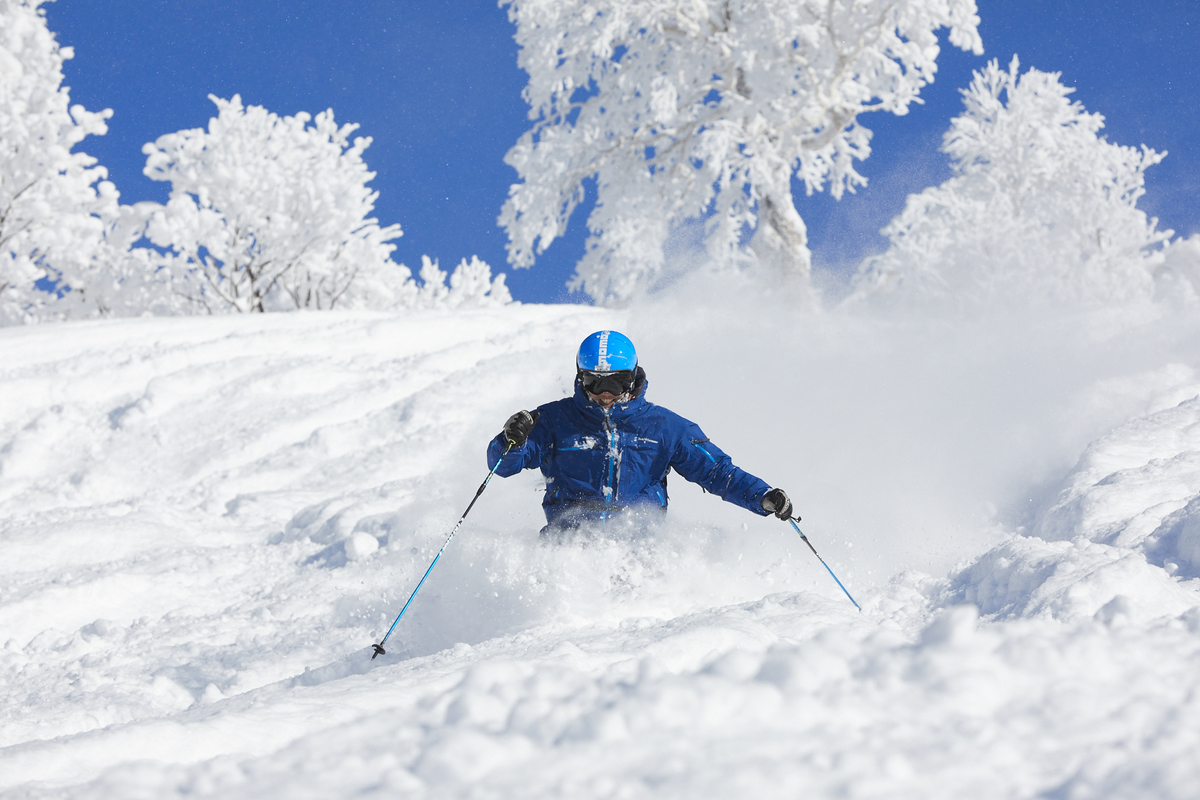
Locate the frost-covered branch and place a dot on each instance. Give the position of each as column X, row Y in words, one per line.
column 267, row 211
column 1041, row 208
column 55, row 203
column 704, row 109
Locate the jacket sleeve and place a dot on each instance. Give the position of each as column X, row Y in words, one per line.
column 700, row 461
column 531, row 455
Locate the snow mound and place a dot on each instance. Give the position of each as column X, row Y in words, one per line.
column 207, row 522
column 1127, row 482
column 1119, row 535
column 1070, row 581
column 1138, row 488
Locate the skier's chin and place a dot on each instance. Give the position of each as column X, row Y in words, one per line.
column 605, row 400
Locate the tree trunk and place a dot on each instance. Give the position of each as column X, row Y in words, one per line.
column 781, row 239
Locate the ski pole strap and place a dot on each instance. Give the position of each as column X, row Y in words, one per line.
column 379, row 651
column 818, row 555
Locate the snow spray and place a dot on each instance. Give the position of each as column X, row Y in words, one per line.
column 818, row 555
column 379, row 651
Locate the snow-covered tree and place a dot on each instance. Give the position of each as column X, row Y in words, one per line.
column 685, row 109
column 267, row 211
column 131, row 280
column 470, row 286
column 1041, row 208
column 53, row 203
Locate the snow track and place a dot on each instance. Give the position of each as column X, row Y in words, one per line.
column 206, row 522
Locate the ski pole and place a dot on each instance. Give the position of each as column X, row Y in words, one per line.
column 818, row 555
column 379, row 651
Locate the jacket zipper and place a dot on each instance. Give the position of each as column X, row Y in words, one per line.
column 610, row 490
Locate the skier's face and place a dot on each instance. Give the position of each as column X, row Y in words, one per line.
column 605, row 399
column 606, row 388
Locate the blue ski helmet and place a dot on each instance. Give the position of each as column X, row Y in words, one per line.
column 606, row 351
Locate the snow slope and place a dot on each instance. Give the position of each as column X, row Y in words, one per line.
column 207, row 521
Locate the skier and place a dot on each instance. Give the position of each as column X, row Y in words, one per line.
column 606, row 451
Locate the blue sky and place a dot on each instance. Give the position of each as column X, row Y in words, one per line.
column 436, row 84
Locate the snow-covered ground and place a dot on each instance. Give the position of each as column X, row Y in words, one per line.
column 206, row 522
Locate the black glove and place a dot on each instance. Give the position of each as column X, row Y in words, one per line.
column 777, row 502
column 517, row 429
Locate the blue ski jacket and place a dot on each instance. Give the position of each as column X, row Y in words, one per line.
column 599, row 461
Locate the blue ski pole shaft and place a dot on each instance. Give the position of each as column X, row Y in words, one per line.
column 818, row 555
column 379, row 651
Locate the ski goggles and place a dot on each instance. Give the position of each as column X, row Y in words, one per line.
column 617, row 383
